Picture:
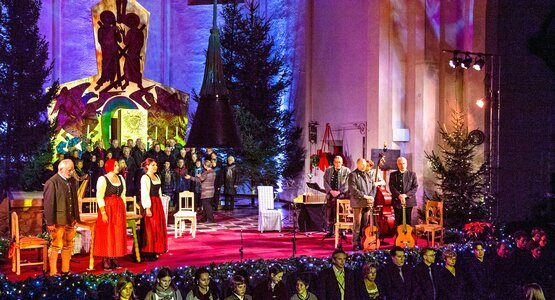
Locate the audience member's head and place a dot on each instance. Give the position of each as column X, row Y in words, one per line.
column 164, row 280
column 338, row 258
column 239, row 285
column 502, row 249
column 479, row 251
column 397, row 255
column 302, row 285
column 535, row 249
column 521, row 238
column 428, row 255
column 533, row 291
column 369, row 271
column 276, row 273
column 450, row 258
column 124, row 289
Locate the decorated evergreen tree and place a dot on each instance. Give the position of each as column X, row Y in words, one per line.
column 257, row 77
column 461, row 179
column 24, row 127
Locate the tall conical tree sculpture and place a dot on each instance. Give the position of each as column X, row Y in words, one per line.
column 214, row 123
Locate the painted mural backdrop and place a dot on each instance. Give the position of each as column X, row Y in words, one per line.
column 85, row 109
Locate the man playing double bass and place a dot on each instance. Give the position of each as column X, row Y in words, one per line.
column 336, row 186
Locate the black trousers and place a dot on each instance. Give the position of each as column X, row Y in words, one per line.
column 399, row 215
column 208, row 209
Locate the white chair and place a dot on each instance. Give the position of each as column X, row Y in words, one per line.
column 186, row 212
column 269, row 218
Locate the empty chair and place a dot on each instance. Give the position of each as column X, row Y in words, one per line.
column 344, row 217
column 268, row 217
column 434, row 222
column 186, row 212
column 26, row 243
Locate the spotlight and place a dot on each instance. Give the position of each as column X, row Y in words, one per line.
column 455, row 61
column 479, row 64
column 480, row 103
column 466, row 62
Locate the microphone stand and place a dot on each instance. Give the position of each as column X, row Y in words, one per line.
column 241, row 249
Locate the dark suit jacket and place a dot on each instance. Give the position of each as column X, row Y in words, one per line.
column 477, row 277
column 423, row 285
column 230, row 179
column 394, row 287
column 449, row 286
column 360, row 184
column 328, row 288
column 343, row 178
column 59, row 207
column 263, row 291
column 410, row 185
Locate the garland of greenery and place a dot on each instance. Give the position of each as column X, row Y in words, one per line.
column 89, row 286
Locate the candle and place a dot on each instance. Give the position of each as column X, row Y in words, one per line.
column 156, row 133
column 166, row 133
column 87, row 136
column 176, row 132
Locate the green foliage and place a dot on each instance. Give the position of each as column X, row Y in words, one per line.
column 460, row 178
column 24, row 126
column 257, row 77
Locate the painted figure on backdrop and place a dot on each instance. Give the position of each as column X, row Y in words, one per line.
column 109, row 35
column 403, row 185
column 336, row 186
column 154, row 236
column 61, row 212
column 134, row 41
column 110, row 230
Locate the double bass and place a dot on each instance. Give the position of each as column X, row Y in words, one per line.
column 384, row 200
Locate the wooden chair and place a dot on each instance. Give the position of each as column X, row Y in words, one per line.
column 26, row 243
column 133, row 216
column 186, row 212
column 82, row 188
column 434, row 222
column 344, row 217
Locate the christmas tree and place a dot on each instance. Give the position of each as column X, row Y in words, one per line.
column 461, row 179
column 258, row 77
column 24, row 70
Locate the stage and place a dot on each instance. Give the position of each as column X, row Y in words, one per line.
column 215, row 243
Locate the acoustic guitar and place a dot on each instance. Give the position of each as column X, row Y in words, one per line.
column 404, row 233
column 370, row 241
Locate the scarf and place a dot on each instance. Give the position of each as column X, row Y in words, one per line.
column 168, row 294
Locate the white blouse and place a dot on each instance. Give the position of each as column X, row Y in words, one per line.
column 145, row 190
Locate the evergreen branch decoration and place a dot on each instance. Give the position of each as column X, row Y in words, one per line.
column 460, row 178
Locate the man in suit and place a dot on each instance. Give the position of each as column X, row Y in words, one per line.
column 396, row 277
column 426, row 276
column 337, row 282
column 61, row 211
column 403, row 185
column 230, row 183
column 336, row 186
column 478, row 273
column 361, row 189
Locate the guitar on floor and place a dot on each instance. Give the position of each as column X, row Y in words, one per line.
column 404, row 237
column 370, row 241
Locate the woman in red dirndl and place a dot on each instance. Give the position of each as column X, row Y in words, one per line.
column 154, row 236
column 110, row 230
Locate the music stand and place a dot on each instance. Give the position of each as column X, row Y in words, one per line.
column 295, row 219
